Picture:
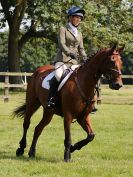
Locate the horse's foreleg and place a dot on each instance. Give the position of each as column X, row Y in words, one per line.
column 86, row 125
column 80, row 144
column 67, row 141
column 47, row 116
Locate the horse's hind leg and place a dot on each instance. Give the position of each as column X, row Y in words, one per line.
column 47, row 117
column 30, row 109
column 86, row 125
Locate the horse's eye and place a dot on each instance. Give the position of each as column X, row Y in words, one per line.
column 112, row 62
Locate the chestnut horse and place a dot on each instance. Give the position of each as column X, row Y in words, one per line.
column 75, row 99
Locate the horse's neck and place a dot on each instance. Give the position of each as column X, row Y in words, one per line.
column 89, row 75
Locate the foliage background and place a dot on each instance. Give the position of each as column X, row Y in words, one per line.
column 105, row 22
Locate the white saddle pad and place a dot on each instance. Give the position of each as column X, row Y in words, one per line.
column 45, row 82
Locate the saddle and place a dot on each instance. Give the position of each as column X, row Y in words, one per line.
column 64, row 78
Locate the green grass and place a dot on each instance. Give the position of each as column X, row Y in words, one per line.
column 109, row 155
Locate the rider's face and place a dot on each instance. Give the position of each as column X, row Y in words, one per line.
column 75, row 20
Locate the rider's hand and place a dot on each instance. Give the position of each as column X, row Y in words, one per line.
column 84, row 59
column 73, row 56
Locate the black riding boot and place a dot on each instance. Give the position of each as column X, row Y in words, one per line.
column 53, row 88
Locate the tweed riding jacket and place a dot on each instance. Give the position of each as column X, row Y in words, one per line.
column 68, row 43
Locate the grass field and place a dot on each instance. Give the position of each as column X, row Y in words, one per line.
column 109, row 155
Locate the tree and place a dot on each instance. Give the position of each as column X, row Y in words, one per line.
column 3, row 52
column 13, row 14
column 109, row 21
column 39, row 18
column 16, row 13
column 105, row 22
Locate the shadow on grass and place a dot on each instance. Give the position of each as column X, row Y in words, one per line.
column 6, row 155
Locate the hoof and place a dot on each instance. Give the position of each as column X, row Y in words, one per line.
column 31, row 153
column 19, row 152
column 67, row 160
column 67, row 156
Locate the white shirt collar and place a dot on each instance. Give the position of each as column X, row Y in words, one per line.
column 74, row 29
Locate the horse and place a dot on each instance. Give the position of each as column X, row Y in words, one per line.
column 75, row 99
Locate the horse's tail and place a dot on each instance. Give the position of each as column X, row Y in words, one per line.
column 20, row 111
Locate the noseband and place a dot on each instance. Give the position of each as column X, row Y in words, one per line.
column 118, row 72
column 109, row 76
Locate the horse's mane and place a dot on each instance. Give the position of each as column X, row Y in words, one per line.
column 93, row 56
column 96, row 53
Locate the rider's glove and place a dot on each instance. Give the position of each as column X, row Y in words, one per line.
column 73, row 56
column 84, row 59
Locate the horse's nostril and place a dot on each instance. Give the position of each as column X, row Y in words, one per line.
column 117, row 85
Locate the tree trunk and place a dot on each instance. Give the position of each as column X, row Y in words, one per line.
column 13, row 56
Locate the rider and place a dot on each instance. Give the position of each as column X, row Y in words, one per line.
column 70, row 42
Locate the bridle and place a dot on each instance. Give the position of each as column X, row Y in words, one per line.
column 118, row 72
column 108, row 75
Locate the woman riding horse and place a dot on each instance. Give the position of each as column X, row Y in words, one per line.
column 70, row 46
column 76, row 99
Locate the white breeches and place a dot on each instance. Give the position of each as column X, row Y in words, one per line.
column 60, row 67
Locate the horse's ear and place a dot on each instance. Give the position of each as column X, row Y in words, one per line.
column 115, row 45
column 113, row 48
column 121, row 49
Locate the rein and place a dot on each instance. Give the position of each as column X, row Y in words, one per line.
column 79, row 88
column 81, row 91
column 88, row 101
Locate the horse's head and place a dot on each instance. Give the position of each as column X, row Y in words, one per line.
column 112, row 68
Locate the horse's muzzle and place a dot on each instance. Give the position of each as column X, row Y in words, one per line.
column 115, row 86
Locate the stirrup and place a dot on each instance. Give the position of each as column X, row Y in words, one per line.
column 50, row 104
